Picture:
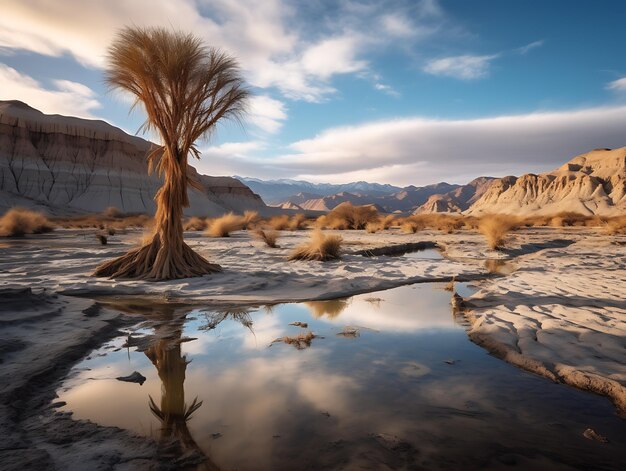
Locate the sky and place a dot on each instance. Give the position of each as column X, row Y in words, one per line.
column 401, row 92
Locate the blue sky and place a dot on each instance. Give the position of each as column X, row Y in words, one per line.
column 402, row 92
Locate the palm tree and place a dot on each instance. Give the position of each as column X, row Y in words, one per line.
column 185, row 88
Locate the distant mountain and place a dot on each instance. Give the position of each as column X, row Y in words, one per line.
column 405, row 200
column 591, row 183
column 457, row 200
column 275, row 192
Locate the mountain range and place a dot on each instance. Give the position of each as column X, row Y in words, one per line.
column 66, row 165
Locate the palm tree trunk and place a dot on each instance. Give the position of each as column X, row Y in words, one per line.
column 166, row 256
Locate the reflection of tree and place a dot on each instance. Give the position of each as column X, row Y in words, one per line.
column 331, row 308
column 164, row 351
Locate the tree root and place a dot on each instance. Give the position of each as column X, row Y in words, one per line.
column 157, row 262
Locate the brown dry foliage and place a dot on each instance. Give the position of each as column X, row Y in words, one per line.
column 495, row 227
column 279, row 223
column 195, row 224
column 347, row 216
column 615, row 225
column 185, row 88
column 296, row 222
column 250, row 219
column 443, row 222
column 224, row 225
column 269, row 236
column 17, row 222
column 300, row 341
column 112, row 212
column 320, row 247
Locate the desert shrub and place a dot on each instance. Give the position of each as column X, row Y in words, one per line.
column 373, row 227
column 112, row 212
column 17, row 222
column 495, row 227
column 224, row 225
column 348, row 216
column 380, row 224
column 268, row 236
column 297, row 222
column 319, row 247
column 102, row 238
column 615, row 225
column 387, row 221
column 279, row 223
column 250, row 219
column 413, row 224
column 195, row 224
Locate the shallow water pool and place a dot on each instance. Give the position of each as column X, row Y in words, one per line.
column 385, row 380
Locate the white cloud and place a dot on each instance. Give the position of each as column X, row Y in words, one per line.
column 267, row 113
column 619, row 84
column 389, row 90
column 529, row 47
column 398, row 26
column 265, row 36
column 421, row 151
column 67, row 98
column 465, row 67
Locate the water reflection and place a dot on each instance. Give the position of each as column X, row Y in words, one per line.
column 410, row 391
column 331, row 308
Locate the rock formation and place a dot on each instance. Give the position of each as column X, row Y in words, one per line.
column 591, row 183
column 66, row 165
column 457, row 200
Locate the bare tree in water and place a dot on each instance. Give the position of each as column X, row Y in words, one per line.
column 185, row 88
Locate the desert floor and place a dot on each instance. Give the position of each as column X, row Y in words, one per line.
column 553, row 303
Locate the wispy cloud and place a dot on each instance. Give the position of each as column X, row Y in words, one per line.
column 267, row 113
column 270, row 38
column 65, row 97
column 466, row 67
column 619, row 85
column 529, row 47
column 421, row 151
column 388, row 89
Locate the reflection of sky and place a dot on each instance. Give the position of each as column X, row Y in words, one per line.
column 277, row 407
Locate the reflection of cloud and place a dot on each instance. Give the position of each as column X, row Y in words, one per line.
column 406, row 309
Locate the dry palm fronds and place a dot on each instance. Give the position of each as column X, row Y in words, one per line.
column 185, row 88
column 320, row 247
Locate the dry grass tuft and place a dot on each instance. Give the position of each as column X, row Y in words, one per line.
column 195, row 224
column 615, row 225
column 224, row 225
column 102, row 238
column 347, row 216
column 268, row 236
column 112, row 212
column 495, row 227
column 321, row 247
column 381, row 224
column 297, row 222
column 250, row 219
column 300, row 342
column 17, row 222
column 279, row 223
